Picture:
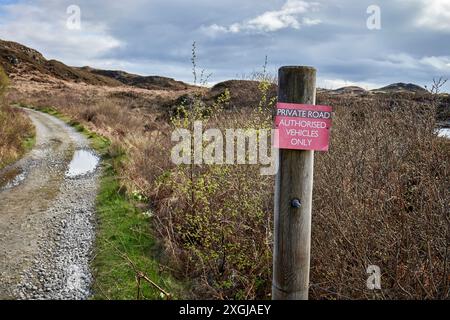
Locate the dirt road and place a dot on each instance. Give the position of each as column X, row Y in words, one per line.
column 47, row 216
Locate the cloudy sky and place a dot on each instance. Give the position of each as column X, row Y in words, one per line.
column 234, row 36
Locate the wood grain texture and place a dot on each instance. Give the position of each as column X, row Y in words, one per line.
column 292, row 236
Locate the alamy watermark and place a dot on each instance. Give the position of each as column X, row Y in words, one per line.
column 374, row 19
column 374, row 279
column 234, row 146
column 73, row 22
column 74, row 281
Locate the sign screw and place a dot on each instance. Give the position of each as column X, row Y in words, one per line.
column 295, row 203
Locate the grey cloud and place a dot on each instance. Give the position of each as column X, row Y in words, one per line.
column 155, row 37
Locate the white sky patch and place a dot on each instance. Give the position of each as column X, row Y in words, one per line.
column 311, row 22
column 30, row 25
column 107, row 64
column 403, row 60
column 435, row 15
column 181, row 71
column 438, row 63
column 332, row 84
column 288, row 16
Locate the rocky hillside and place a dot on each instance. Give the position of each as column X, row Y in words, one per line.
column 354, row 90
column 21, row 62
column 401, row 88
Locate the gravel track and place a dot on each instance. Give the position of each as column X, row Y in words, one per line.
column 47, row 219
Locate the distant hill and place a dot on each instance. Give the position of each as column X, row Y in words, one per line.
column 350, row 90
column 144, row 82
column 20, row 61
column 401, row 88
column 243, row 93
column 392, row 88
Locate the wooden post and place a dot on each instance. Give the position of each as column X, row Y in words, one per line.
column 293, row 197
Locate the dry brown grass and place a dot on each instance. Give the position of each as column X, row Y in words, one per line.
column 381, row 198
column 15, row 129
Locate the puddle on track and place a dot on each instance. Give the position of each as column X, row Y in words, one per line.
column 12, row 178
column 444, row 133
column 83, row 162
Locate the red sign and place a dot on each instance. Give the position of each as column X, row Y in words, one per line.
column 302, row 126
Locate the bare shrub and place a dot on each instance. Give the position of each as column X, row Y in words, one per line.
column 380, row 197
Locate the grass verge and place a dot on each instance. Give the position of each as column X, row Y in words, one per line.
column 29, row 142
column 125, row 247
